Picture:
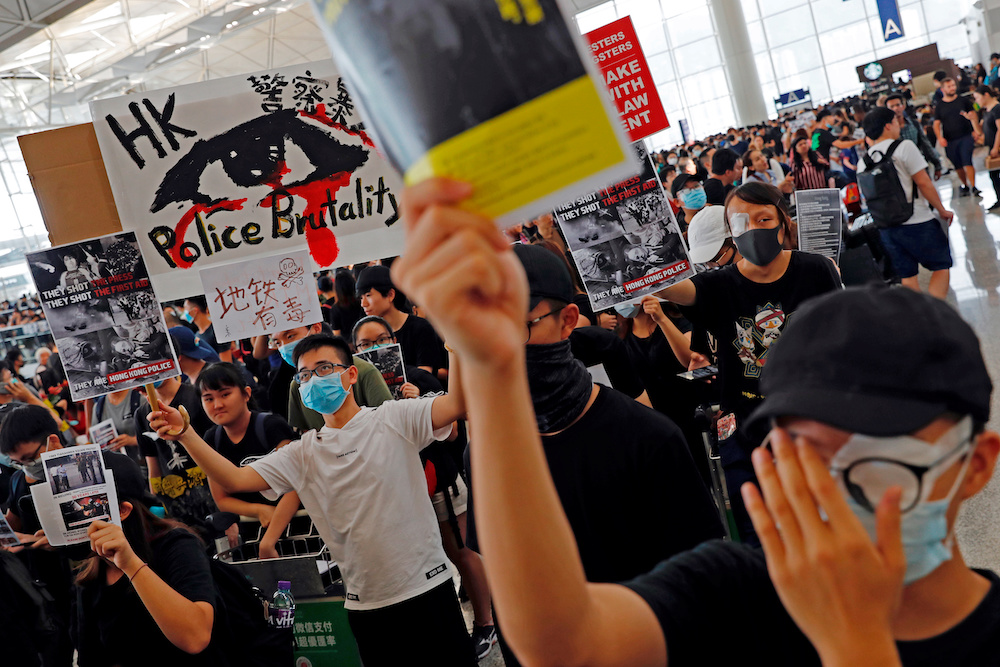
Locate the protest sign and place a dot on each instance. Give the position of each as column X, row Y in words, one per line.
column 624, row 239
column 819, row 219
column 103, row 314
column 501, row 94
column 102, row 433
column 7, row 536
column 244, row 167
column 616, row 52
column 78, row 490
column 261, row 296
column 388, row 359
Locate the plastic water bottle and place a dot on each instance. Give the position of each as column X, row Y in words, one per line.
column 281, row 612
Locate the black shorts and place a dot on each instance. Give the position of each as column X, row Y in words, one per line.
column 429, row 627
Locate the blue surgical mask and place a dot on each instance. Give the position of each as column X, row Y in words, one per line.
column 927, row 542
column 286, row 352
column 694, row 198
column 628, row 310
column 187, row 317
column 324, row 394
column 158, row 383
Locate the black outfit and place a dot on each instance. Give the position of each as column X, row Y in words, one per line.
column 422, row 380
column 629, row 489
column 675, row 397
column 184, row 488
column 275, row 431
column 715, row 191
column 990, row 136
column 953, row 124
column 595, row 345
column 746, row 318
column 208, row 335
column 117, row 629
column 824, row 142
column 420, row 344
column 688, row 592
column 582, row 302
column 343, row 318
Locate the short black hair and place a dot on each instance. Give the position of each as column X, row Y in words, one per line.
column 940, row 75
column 317, row 341
column 823, row 114
column 723, row 160
column 762, row 194
column 995, row 55
column 14, row 355
column 200, row 301
column 895, row 96
column 27, row 423
column 324, row 284
column 219, row 376
column 368, row 320
column 987, row 90
column 876, row 120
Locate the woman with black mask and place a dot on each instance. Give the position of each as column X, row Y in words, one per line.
column 745, row 306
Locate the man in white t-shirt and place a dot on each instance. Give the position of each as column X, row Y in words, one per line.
column 361, row 481
column 921, row 240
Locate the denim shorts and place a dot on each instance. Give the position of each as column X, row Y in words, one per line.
column 959, row 151
column 923, row 244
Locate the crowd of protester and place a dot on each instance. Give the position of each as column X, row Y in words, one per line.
column 561, row 487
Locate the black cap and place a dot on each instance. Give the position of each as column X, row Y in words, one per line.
column 190, row 344
column 681, row 181
column 374, row 276
column 875, row 360
column 548, row 277
column 130, row 483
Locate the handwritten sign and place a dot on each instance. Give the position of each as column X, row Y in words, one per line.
column 261, row 296
column 616, row 52
column 248, row 166
column 104, row 315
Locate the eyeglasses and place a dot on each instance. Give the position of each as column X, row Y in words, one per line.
column 364, row 344
column 21, row 465
column 322, row 370
column 538, row 319
column 878, row 475
column 716, row 262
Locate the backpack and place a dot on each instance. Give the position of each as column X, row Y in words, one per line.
column 250, row 640
column 883, row 191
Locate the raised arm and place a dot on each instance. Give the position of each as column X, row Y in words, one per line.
column 451, row 406
column 217, row 467
column 459, row 267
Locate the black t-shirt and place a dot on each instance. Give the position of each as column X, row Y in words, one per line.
column 183, row 488
column 990, row 125
column 688, row 592
column 715, row 191
column 208, row 335
column 582, row 302
column 825, row 142
column 420, row 344
column 343, row 318
column 953, row 124
column 746, row 318
column 595, row 345
column 424, row 381
column 629, row 489
column 275, row 431
column 117, row 629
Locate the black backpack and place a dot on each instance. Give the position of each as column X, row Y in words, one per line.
column 883, row 191
column 251, row 641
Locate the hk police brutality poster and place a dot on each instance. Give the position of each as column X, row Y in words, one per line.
column 624, row 239
column 103, row 314
column 248, row 166
column 500, row 94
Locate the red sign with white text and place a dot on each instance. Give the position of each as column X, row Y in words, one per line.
column 616, row 51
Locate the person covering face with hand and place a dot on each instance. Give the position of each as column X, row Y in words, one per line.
column 822, row 591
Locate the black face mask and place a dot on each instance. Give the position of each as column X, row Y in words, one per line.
column 759, row 246
column 560, row 385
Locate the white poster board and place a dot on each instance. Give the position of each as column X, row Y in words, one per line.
column 261, row 296
column 247, row 166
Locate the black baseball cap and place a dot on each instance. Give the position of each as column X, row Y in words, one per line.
column 681, row 180
column 548, row 277
column 189, row 344
column 374, row 276
column 875, row 360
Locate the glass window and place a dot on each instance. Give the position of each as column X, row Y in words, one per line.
column 764, row 69
column 757, row 40
column 661, row 68
column 830, row 14
column 788, row 27
column 750, row 10
column 793, row 58
column 848, row 41
column 952, row 43
column 814, row 80
column 690, row 26
column 769, row 7
column 594, row 18
column 913, row 25
column 705, row 86
column 714, row 116
column 697, row 57
column 843, row 78
column 672, row 8
column 670, row 96
column 652, row 37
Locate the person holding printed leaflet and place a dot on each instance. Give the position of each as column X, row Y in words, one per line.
column 361, row 481
column 866, row 577
column 240, row 434
column 921, row 240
